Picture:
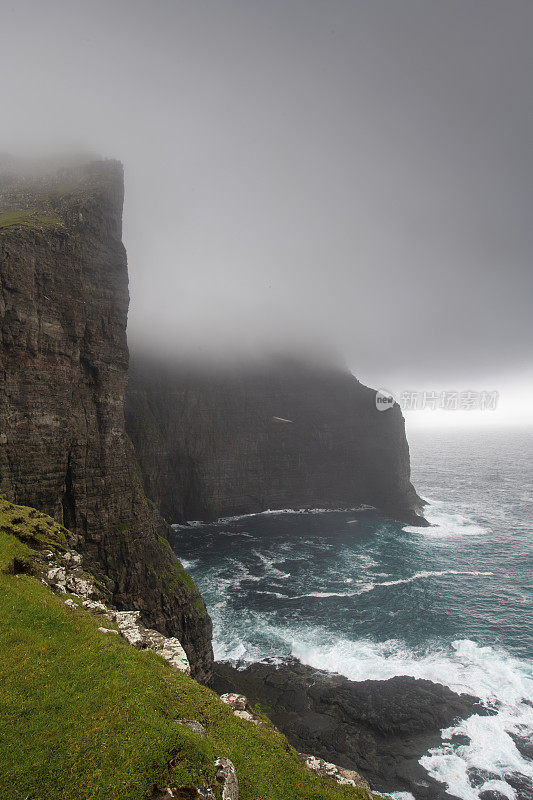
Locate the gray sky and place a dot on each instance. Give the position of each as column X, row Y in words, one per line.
column 348, row 174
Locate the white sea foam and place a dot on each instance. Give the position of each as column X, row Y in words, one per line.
column 502, row 682
column 431, row 574
column 446, row 524
column 325, row 594
column 400, row 795
column 269, row 564
column 370, row 586
column 274, row 512
column 189, row 563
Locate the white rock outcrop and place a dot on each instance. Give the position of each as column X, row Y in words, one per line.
column 57, row 578
column 173, row 652
column 193, row 725
column 342, row 776
column 95, row 605
column 237, row 702
column 227, row 776
column 66, row 580
column 129, row 626
column 72, row 579
column 240, row 707
column 136, row 634
column 72, row 558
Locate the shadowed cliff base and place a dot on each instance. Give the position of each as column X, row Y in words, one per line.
column 273, row 434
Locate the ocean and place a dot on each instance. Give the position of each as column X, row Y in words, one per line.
column 355, row 593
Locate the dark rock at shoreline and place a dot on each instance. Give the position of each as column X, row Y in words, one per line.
column 379, row 728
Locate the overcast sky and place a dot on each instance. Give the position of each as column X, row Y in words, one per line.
column 355, row 174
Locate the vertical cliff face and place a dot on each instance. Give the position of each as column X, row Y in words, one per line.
column 63, row 375
column 270, row 436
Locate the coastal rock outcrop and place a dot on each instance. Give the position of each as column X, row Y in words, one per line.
column 242, row 709
column 272, row 435
column 378, row 728
column 62, row 571
column 64, row 369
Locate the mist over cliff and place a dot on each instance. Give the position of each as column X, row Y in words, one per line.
column 302, row 172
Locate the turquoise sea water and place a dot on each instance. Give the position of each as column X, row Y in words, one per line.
column 355, row 593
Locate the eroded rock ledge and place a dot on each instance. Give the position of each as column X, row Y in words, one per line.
column 68, row 576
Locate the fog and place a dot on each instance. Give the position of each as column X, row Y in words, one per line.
column 346, row 177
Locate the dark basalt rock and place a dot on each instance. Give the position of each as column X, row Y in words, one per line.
column 521, row 784
column 271, row 435
column 64, row 370
column 379, row 728
column 490, row 794
column 477, row 777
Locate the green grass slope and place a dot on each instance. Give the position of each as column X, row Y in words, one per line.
column 85, row 716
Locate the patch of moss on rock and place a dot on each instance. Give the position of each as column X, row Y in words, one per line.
column 29, row 526
column 28, row 218
column 176, row 574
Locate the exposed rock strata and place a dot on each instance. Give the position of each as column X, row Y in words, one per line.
column 379, row 728
column 270, row 436
column 63, row 357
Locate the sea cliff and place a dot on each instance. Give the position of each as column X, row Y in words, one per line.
column 64, row 369
column 276, row 434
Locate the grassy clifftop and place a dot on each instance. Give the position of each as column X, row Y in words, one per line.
column 87, row 716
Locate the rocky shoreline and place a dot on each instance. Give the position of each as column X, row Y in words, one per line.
column 379, row 728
